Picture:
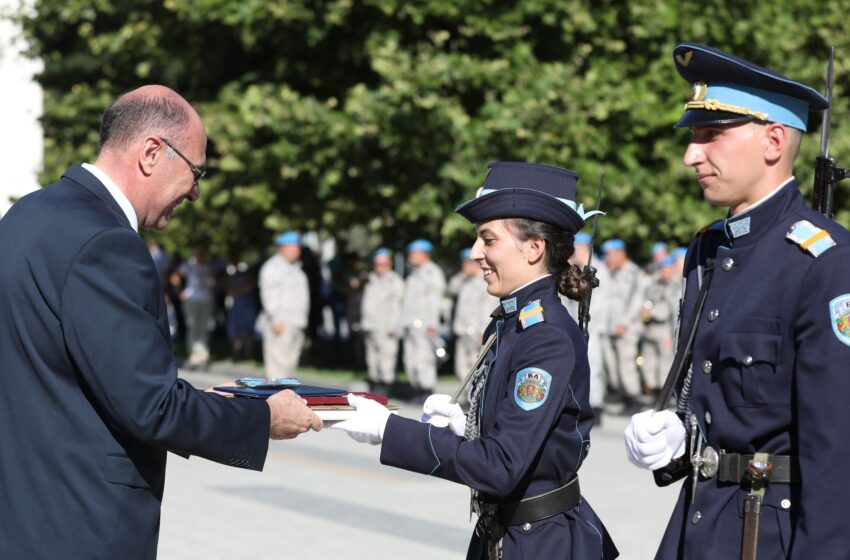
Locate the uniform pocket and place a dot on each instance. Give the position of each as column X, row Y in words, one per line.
column 749, row 366
column 120, row 469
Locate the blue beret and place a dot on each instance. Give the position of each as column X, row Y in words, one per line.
column 420, row 245
column 582, row 239
column 728, row 89
column 382, row 252
column 658, row 247
column 667, row 261
column 613, row 244
column 288, row 238
column 679, row 252
column 464, row 254
column 527, row 190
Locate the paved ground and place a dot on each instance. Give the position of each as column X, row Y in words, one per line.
column 323, row 496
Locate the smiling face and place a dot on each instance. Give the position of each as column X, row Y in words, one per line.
column 176, row 180
column 729, row 162
column 506, row 262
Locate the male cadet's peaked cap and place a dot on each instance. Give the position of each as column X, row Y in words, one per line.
column 464, row 253
column 728, row 89
column 288, row 238
column 420, row 245
column 613, row 245
column 382, row 252
column 527, row 190
column 582, row 239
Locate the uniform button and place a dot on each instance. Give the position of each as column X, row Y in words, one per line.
column 747, row 361
column 786, row 503
column 697, row 516
column 706, row 366
column 526, row 527
column 417, row 323
column 713, row 314
column 707, row 417
column 728, row 263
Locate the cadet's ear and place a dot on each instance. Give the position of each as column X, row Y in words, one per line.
column 776, row 139
column 535, row 250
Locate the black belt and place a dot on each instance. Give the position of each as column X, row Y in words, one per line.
column 529, row 510
column 733, row 466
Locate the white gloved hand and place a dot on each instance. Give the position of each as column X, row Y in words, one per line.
column 653, row 439
column 438, row 411
column 368, row 423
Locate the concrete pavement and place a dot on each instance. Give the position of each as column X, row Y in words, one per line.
column 324, row 496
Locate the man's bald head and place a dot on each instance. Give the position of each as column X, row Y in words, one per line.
column 148, row 109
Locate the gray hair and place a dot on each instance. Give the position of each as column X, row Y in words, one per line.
column 130, row 116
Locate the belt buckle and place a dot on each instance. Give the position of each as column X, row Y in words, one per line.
column 708, row 463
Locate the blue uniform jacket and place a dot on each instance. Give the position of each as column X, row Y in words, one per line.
column 89, row 396
column 524, row 450
column 770, row 375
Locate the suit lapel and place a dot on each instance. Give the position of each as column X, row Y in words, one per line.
column 79, row 175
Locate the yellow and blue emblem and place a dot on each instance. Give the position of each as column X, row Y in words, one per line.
column 839, row 314
column 532, row 387
column 810, row 237
column 531, row 314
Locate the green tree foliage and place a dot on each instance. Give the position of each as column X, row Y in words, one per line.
column 323, row 114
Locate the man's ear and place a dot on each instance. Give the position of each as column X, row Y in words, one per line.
column 776, row 139
column 150, row 154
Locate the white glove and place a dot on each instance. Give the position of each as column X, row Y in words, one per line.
column 368, row 423
column 653, row 439
column 438, row 411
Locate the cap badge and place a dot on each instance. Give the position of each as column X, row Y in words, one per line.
column 699, row 91
column 685, row 58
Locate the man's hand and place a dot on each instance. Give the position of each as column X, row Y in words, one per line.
column 290, row 416
column 368, row 423
column 438, row 411
column 653, row 439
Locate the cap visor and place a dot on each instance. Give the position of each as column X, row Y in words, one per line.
column 701, row 117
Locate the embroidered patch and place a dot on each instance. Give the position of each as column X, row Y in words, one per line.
column 531, row 314
column 739, row 228
column 810, row 237
column 839, row 314
column 509, row 305
column 532, row 387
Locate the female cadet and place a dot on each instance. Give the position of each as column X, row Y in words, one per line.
column 527, row 431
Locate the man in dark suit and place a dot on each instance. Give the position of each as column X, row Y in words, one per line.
column 89, row 396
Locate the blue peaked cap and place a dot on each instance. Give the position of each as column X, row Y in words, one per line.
column 382, row 252
column 582, row 239
column 464, row 254
column 544, row 193
column 658, row 247
column 420, row 245
column 288, row 238
column 679, row 252
column 728, row 89
column 613, row 244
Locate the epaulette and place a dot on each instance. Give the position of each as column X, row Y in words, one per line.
column 718, row 225
column 531, row 314
column 810, row 237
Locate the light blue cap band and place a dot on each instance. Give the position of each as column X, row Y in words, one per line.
column 582, row 239
column 420, row 245
column 288, row 238
column 762, row 104
column 382, row 252
column 613, row 244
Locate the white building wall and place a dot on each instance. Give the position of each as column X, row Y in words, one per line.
column 21, row 103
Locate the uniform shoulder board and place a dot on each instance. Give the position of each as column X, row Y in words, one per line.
column 810, row 237
column 531, row 314
column 718, row 225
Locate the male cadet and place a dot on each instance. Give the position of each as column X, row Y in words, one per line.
column 596, row 327
column 659, row 252
column 623, row 327
column 765, row 403
column 381, row 320
column 658, row 314
column 285, row 296
column 90, row 401
column 423, row 293
column 472, row 309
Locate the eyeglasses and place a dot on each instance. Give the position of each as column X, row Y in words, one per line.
column 196, row 171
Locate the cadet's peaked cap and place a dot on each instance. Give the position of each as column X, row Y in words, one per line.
column 613, row 245
column 728, row 89
column 420, row 245
column 288, row 238
column 527, row 190
column 382, row 252
column 464, row 253
column 582, row 239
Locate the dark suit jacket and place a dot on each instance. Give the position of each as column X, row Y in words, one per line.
column 89, row 396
